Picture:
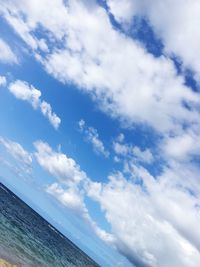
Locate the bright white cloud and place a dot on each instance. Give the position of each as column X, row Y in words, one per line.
column 3, row 81
column 47, row 112
column 148, row 90
column 58, row 164
column 91, row 135
column 182, row 147
column 179, row 31
column 23, row 91
column 155, row 226
column 6, row 54
column 70, row 188
column 153, row 223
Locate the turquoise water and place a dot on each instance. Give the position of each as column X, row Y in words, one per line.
column 30, row 241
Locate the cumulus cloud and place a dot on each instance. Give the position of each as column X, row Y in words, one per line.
column 153, row 227
column 3, row 81
column 182, row 147
column 23, row 91
column 147, row 91
column 69, row 190
column 154, row 220
column 6, row 54
column 179, row 31
column 91, row 135
column 58, row 164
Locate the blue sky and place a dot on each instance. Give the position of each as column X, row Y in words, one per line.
column 99, row 124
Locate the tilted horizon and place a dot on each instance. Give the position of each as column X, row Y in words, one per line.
column 100, row 124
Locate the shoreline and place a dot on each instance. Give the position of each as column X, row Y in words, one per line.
column 5, row 263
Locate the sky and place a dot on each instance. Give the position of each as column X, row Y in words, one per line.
column 100, row 123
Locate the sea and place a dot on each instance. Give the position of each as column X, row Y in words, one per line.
column 28, row 240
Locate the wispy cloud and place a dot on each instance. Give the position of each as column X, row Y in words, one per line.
column 17, row 151
column 6, row 54
column 73, row 198
column 23, row 159
column 3, row 81
column 91, row 136
column 129, row 151
column 23, row 91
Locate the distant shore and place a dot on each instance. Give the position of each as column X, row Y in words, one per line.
column 4, row 263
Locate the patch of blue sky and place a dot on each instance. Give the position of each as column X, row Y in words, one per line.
column 113, row 21
column 190, row 80
column 142, row 135
column 143, row 32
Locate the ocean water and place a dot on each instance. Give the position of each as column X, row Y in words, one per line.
column 30, row 241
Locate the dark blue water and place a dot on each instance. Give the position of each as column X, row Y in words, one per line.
column 30, row 241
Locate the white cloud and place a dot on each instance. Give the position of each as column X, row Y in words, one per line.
column 131, row 152
column 22, row 90
column 17, row 151
column 122, row 10
column 155, row 226
column 153, row 223
column 179, row 31
column 143, row 155
column 92, row 136
column 70, row 188
column 71, row 197
column 47, row 112
column 3, row 81
column 6, row 54
column 147, row 91
column 120, row 149
column 120, row 137
column 19, row 171
column 182, row 147
column 58, row 164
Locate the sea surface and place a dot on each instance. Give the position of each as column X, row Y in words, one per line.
column 28, row 240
